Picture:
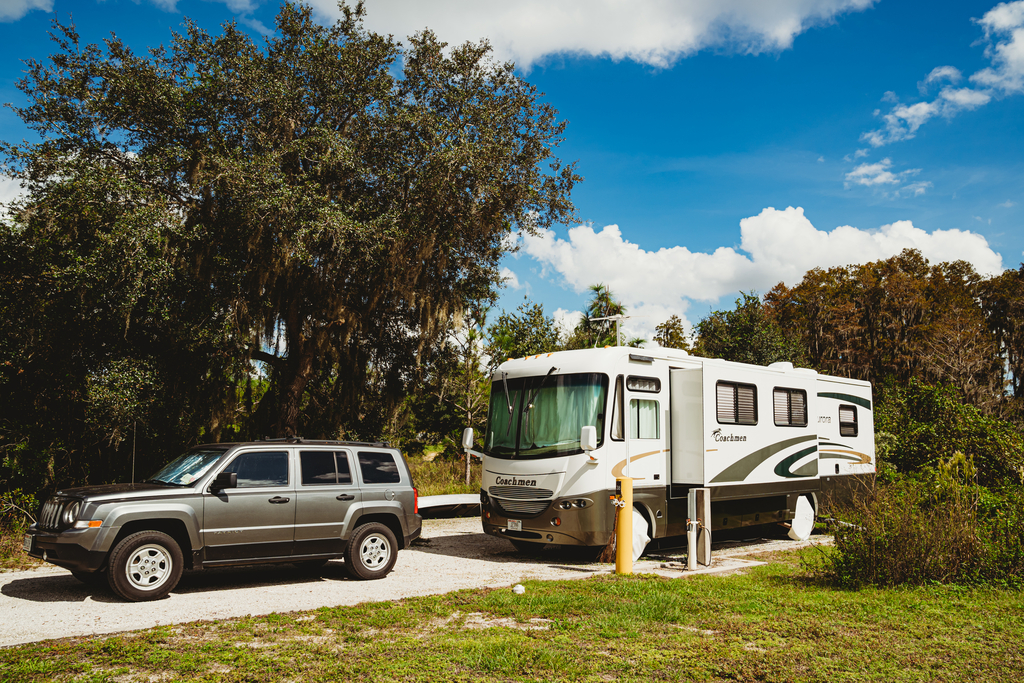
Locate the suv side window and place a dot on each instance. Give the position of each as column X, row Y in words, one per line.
column 324, row 467
column 378, row 468
column 260, row 468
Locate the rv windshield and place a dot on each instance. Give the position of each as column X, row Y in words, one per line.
column 547, row 414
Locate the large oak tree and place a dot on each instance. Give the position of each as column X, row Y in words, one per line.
column 321, row 206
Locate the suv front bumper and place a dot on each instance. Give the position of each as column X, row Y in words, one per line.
column 69, row 549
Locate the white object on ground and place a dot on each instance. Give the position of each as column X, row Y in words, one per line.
column 640, row 537
column 803, row 523
column 518, row 589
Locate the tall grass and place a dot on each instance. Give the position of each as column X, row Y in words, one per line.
column 443, row 475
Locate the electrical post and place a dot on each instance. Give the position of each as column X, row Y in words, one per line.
column 624, row 526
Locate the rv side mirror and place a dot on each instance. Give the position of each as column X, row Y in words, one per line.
column 588, row 439
column 467, row 438
column 225, row 480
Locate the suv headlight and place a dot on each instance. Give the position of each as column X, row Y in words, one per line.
column 71, row 511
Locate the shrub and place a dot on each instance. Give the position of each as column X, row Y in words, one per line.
column 937, row 527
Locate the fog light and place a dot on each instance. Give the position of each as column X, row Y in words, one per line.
column 556, row 522
column 550, row 538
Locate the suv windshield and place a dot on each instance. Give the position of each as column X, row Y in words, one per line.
column 547, row 414
column 188, row 468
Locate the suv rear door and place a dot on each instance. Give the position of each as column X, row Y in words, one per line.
column 325, row 493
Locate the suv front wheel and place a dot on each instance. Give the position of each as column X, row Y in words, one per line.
column 145, row 566
column 371, row 552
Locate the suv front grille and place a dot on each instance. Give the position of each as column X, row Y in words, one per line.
column 50, row 515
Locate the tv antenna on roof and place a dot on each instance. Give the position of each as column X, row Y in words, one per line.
column 617, row 318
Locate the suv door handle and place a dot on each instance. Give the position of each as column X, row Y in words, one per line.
column 346, row 496
column 277, row 500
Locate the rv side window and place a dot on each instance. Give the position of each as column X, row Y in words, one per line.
column 847, row 421
column 737, row 403
column 643, row 419
column 618, row 434
column 790, row 407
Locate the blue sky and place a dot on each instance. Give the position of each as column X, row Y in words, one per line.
column 725, row 144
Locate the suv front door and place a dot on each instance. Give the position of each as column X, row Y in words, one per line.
column 256, row 519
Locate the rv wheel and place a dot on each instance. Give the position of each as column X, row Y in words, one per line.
column 802, row 524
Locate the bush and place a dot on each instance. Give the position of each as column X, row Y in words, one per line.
column 937, row 527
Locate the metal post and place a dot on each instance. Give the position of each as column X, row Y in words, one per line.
column 702, row 500
column 624, row 527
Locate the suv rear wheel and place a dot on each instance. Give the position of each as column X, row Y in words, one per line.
column 145, row 566
column 371, row 552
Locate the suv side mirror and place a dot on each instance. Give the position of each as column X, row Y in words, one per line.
column 467, row 438
column 224, row 480
column 588, row 440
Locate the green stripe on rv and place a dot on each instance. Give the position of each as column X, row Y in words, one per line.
column 808, row 470
column 849, row 398
column 741, row 469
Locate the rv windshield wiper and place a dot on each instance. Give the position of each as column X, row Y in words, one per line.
column 504, row 380
column 529, row 403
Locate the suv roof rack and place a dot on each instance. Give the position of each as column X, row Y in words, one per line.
column 332, row 442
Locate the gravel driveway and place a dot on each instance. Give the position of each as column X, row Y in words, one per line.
column 452, row 554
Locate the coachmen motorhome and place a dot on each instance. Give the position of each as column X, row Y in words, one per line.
column 766, row 441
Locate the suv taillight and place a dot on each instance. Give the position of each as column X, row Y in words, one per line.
column 415, row 501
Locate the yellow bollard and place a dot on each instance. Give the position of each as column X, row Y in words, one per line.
column 624, row 527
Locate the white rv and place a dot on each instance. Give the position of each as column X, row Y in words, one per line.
column 765, row 440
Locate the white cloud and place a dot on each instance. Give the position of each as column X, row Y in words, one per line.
column 12, row 10
column 1004, row 24
column 510, row 278
column 10, row 189
column 873, row 174
column 942, row 73
column 1007, row 204
column 914, row 189
column 654, row 32
column 566, row 321
column 775, row 246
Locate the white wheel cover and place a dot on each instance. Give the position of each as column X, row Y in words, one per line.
column 803, row 524
column 640, row 537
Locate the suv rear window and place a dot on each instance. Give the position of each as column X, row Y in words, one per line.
column 324, row 467
column 378, row 468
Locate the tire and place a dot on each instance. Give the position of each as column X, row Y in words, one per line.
column 802, row 524
column 371, row 552
column 525, row 547
column 90, row 578
column 145, row 566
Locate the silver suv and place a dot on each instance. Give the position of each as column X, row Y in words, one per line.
column 303, row 502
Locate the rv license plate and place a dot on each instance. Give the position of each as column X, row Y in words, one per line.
column 27, row 545
column 515, row 525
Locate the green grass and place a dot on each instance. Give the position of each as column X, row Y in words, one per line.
column 773, row 624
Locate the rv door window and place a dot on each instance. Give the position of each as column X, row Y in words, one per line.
column 847, row 421
column 736, row 403
column 618, row 411
column 790, row 407
column 643, row 419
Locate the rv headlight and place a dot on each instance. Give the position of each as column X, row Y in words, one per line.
column 71, row 511
column 565, row 505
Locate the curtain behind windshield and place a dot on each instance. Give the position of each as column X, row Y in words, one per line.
column 560, row 406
